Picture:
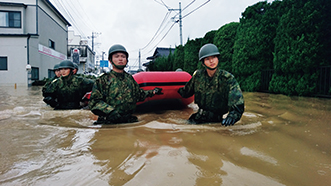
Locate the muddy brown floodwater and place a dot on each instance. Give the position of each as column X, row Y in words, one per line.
column 280, row 140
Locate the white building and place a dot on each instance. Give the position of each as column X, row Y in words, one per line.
column 33, row 34
column 86, row 55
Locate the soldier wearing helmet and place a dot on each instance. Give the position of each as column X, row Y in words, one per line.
column 57, row 70
column 48, row 82
column 67, row 91
column 67, row 68
column 215, row 91
column 76, row 68
column 115, row 93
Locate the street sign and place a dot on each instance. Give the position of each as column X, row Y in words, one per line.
column 103, row 63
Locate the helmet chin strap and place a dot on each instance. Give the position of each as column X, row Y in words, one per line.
column 120, row 67
column 67, row 76
column 209, row 67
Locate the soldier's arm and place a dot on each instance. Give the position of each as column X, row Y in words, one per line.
column 50, row 89
column 141, row 94
column 88, row 85
column 45, row 86
column 236, row 100
column 188, row 90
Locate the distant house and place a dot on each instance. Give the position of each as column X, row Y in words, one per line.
column 159, row 52
column 86, row 55
column 33, row 38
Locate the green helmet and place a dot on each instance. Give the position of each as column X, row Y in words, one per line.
column 117, row 48
column 67, row 64
column 208, row 50
column 56, row 67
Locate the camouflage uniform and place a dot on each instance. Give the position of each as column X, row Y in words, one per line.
column 87, row 76
column 68, row 91
column 47, row 84
column 215, row 96
column 116, row 92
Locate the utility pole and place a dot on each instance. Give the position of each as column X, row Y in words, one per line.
column 94, row 35
column 180, row 24
column 103, row 53
column 139, row 60
column 180, row 21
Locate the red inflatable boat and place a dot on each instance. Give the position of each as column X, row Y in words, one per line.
column 170, row 82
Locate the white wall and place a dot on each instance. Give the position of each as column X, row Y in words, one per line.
column 15, row 49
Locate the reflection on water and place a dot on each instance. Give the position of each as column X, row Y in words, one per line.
column 279, row 141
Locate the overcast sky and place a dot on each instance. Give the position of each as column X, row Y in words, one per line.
column 147, row 24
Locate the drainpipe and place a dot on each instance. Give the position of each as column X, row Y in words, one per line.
column 37, row 6
column 28, row 66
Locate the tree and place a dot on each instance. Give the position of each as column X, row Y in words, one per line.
column 191, row 55
column 209, row 37
column 224, row 39
column 300, row 46
column 254, row 43
column 178, row 58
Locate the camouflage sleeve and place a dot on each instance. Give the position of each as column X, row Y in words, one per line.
column 141, row 94
column 236, row 99
column 51, row 88
column 97, row 103
column 88, row 85
column 188, row 90
column 48, row 82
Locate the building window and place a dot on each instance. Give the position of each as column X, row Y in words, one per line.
column 51, row 73
column 34, row 73
column 10, row 19
column 3, row 63
column 51, row 44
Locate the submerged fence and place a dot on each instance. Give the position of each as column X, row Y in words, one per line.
column 324, row 82
column 323, row 88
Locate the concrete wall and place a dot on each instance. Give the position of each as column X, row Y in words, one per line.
column 15, row 51
column 29, row 44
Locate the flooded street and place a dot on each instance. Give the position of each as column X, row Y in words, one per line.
column 280, row 140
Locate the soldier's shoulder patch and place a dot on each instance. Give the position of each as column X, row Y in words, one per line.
column 196, row 72
column 55, row 80
column 226, row 74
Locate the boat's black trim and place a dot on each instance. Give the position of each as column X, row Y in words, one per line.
column 155, row 84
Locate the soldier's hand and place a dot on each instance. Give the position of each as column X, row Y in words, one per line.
column 180, row 90
column 157, row 91
column 113, row 116
column 50, row 101
column 47, row 99
column 228, row 121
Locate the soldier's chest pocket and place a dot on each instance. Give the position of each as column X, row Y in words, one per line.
column 75, row 85
column 219, row 96
column 70, row 89
column 121, row 91
column 200, row 92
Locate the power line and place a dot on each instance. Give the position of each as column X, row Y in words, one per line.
column 196, row 9
column 162, row 3
column 75, row 11
column 163, row 36
column 185, row 7
column 88, row 18
column 63, row 9
column 157, row 32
